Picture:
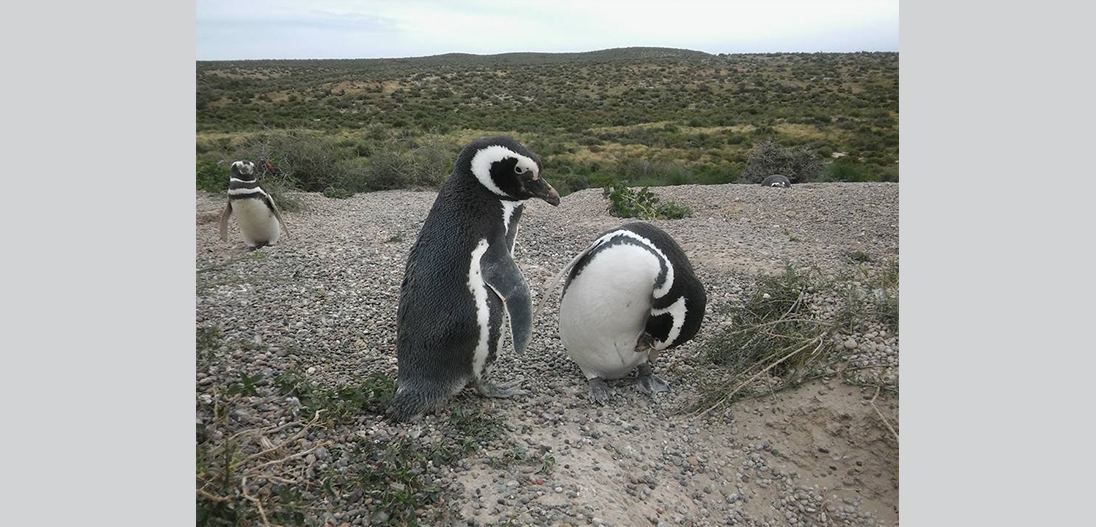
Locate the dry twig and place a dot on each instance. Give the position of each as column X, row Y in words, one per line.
column 885, row 422
column 821, row 341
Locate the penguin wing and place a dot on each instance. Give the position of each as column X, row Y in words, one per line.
column 277, row 213
column 224, row 221
column 551, row 284
column 504, row 278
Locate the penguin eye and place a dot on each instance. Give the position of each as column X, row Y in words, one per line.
column 517, row 169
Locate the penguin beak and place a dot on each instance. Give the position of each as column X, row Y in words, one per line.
column 541, row 189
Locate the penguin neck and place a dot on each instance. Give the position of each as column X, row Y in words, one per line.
column 482, row 202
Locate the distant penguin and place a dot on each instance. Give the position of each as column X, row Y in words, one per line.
column 460, row 282
column 627, row 297
column 255, row 211
column 776, row 180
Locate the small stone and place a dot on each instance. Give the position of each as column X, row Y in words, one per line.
column 850, row 344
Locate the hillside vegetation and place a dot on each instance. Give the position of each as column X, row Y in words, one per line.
column 649, row 116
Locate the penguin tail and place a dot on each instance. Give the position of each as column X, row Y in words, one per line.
column 409, row 403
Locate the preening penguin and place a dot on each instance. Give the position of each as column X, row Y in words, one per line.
column 627, row 297
column 255, row 211
column 461, row 283
column 776, row 180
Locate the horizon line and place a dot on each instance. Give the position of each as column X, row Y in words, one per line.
column 558, row 53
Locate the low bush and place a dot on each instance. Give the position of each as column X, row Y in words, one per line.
column 779, row 338
column 211, row 177
column 625, row 202
column 842, row 170
column 800, row 164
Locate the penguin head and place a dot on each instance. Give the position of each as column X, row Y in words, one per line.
column 506, row 169
column 243, row 170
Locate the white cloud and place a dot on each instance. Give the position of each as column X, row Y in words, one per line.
column 234, row 29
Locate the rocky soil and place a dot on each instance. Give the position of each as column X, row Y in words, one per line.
column 323, row 303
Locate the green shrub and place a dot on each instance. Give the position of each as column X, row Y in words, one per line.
column 211, row 177
column 389, row 169
column 842, row 170
column 642, row 204
column 800, row 164
column 283, row 193
column 394, row 166
column 309, row 160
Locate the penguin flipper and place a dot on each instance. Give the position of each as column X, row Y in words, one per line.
column 224, row 221
column 277, row 213
column 504, row 278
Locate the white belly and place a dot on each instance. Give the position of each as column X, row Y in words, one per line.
column 257, row 222
column 604, row 311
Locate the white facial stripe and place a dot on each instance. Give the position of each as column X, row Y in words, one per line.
column 244, row 167
column 481, row 165
column 669, row 282
column 526, row 165
column 478, row 287
column 677, row 312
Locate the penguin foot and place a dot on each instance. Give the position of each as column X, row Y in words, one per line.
column 496, row 391
column 650, row 385
column 599, row 391
column 647, row 383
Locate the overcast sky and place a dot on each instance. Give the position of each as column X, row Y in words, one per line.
column 315, row 29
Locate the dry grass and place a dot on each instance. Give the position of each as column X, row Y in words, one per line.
column 778, row 341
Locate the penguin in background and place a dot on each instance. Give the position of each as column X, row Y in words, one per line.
column 776, row 180
column 259, row 218
column 628, row 296
column 461, row 284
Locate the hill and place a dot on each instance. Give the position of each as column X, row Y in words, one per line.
column 665, row 115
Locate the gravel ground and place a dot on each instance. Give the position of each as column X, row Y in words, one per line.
column 323, row 302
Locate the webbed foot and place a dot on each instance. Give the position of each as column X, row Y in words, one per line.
column 599, row 391
column 499, row 392
column 647, row 383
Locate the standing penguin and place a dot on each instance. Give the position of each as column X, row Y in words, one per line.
column 255, row 211
column 461, row 282
column 627, row 297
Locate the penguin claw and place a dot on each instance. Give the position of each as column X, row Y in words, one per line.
column 500, row 392
column 599, row 391
column 650, row 385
